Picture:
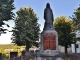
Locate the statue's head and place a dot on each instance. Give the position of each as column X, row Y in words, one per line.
column 47, row 5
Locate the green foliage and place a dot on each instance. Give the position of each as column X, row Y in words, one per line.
column 26, row 30
column 4, row 57
column 6, row 7
column 76, row 18
column 64, row 27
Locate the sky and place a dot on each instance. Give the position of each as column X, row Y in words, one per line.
column 59, row 8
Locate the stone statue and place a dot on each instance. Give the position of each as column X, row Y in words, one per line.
column 49, row 36
column 48, row 16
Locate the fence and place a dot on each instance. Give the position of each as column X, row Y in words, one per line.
column 63, row 57
column 20, row 58
column 70, row 56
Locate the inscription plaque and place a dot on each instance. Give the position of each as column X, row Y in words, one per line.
column 49, row 41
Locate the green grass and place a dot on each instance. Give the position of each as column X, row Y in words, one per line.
column 5, row 58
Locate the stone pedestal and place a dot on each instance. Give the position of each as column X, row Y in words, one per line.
column 49, row 43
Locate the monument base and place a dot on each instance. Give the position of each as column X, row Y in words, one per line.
column 50, row 52
column 51, row 42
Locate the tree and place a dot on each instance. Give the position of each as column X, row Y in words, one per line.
column 76, row 19
column 6, row 7
column 64, row 27
column 26, row 30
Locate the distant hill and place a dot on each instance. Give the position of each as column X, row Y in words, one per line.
column 10, row 46
column 7, row 45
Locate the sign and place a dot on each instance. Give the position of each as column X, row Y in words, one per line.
column 49, row 41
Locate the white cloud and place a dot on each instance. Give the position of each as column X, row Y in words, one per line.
column 5, row 38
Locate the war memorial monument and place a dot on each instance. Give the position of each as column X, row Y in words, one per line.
column 49, row 37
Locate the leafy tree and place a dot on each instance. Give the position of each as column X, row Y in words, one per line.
column 26, row 30
column 76, row 18
column 6, row 7
column 64, row 27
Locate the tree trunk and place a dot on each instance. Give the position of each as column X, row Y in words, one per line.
column 27, row 48
column 65, row 49
column 27, row 45
column 66, row 57
column 75, row 46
